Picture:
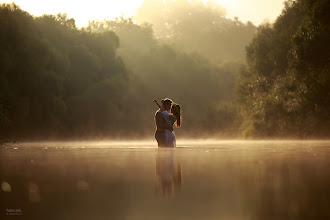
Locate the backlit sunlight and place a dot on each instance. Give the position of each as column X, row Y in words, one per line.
column 83, row 11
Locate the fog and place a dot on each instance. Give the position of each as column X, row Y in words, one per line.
column 233, row 79
column 137, row 180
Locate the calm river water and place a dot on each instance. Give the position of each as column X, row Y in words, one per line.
column 136, row 180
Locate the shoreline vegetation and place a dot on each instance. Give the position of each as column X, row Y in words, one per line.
column 233, row 80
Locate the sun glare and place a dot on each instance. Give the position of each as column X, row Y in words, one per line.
column 81, row 10
column 85, row 10
column 252, row 10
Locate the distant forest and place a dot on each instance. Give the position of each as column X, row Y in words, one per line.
column 232, row 79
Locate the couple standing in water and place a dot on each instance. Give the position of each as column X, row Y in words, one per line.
column 168, row 114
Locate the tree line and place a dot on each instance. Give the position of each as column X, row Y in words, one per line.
column 284, row 88
column 56, row 79
column 232, row 79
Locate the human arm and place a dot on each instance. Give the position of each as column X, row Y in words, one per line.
column 172, row 118
column 161, row 123
column 167, row 118
column 155, row 101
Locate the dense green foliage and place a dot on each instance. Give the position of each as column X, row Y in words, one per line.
column 285, row 86
column 60, row 81
column 56, row 79
column 160, row 70
column 194, row 58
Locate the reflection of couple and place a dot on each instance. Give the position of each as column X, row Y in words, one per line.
column 168, row 173
column 165, row 121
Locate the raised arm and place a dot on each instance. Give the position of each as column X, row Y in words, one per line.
column 155, row 101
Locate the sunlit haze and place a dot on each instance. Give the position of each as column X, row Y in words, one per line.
column 154, row 109
column 82, row 11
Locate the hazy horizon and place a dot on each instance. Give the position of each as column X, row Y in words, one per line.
column 256, row 11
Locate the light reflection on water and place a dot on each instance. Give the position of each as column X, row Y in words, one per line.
column 196, row 180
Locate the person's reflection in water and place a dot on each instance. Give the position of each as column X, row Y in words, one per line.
column 168, row 173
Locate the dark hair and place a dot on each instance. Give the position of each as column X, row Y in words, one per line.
column 176, row 109
column 167, row 101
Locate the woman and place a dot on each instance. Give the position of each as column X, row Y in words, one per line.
column 170, row 119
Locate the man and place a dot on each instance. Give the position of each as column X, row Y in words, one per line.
column 161, row 125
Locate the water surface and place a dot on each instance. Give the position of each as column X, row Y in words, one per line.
column 137, row 180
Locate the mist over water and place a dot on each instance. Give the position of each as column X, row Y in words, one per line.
column 196, row 180
column 232, row 79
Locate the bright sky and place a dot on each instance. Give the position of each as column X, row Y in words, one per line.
column 84, row 10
